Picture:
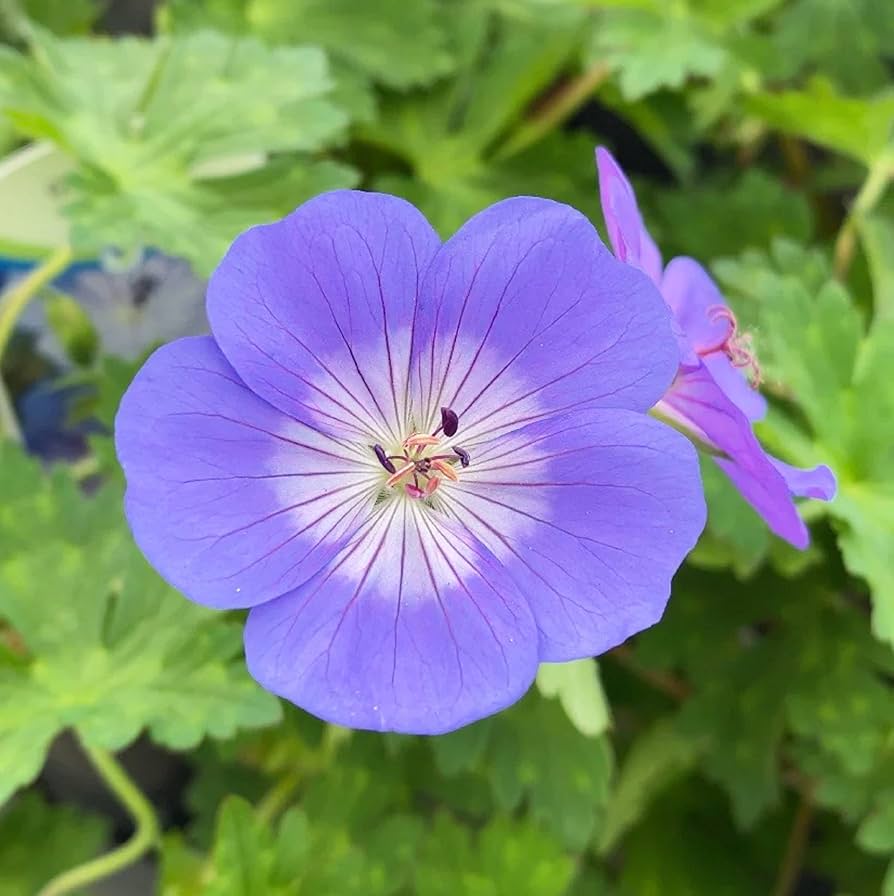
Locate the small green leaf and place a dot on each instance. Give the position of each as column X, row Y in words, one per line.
column 579, row 690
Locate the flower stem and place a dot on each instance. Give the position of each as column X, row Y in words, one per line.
column 667, row 684
column 17, row 298
column 562, row 104
column 277, row 798
column 12, row 304
column 144, row 837
column 793, row 857
column 9, row 423
column 877, row 179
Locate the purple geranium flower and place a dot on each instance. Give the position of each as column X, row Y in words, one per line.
column 425, row 467
column 711, row 397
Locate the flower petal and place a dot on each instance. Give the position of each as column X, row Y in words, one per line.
column 233, row 502
column 818, row 482
column 315, row 311
column 692, row 295
column 627, row 233
column 736, row 386
column 415, row 628
column 524, row 312
column 592, row 513
column 696, row 402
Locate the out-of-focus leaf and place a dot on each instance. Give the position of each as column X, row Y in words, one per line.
column 735, row 536
column 121, row 651
column 296, row 858
column 61, row 16
column 669, row 853
column 846, row 39
column 857, row 127
column 726, row 217
column 579, row 690
column 397, row 44
column 656, row 45
column 37, row 841
column 533, row 753
column 505, row 857
column 449, row 136
column 658, row 758
column 154, row 167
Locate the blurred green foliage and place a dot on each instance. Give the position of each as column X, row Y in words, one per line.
column 743, row 746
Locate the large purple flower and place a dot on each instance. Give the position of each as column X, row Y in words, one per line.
column 425, row 467
column 711, row 396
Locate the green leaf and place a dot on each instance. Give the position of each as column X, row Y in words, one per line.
column 657, row 46
column 812, row 343
column 506, row 857
column 450, row 135
column 532, row 752
column 735, row 536
column 579, row 690
column 658, row 758
column 121, row 651
column 668, row 854
column 62, row 16
column 297, row 858
column 860, row 128
column 38, row 841
column 876, row 833
column 153, row 167
column 846, row 39
column 397, row 44
column 726, row 215
column 740, row 718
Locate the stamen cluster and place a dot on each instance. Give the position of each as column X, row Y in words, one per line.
column 417, row 464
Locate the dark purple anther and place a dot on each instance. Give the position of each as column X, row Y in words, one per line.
column 383, row 458
column 463, row 456
column 449, row 422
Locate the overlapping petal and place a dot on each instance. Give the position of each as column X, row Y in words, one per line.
column 592, row 513
column 710, row 397
column 315, row 311
column 524, row 313
column 231, row 500
column 700, row 405
column 416, row 627
column 817, row 482
column 694, row 299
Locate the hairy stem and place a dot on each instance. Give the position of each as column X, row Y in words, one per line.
column 560, row 106
column 877, row 179
column 145, row 835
